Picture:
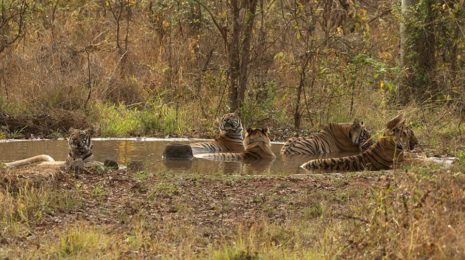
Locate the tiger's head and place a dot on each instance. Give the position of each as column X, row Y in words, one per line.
column 258, row 135
column 402, row 135
column 360, row 135
column 79, row 142
column 230, row 123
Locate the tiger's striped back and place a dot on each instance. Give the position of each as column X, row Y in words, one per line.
column 257, row 147
column 230, row 138
column 334, row 138
column 382, row 155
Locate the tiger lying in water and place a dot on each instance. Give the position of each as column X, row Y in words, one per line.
column 257, row 147
column 79, row 157
column 398, row 137
column 229, row 140
column 333, row 138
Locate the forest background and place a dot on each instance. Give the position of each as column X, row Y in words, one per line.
column 172, row 67
column 158, row 68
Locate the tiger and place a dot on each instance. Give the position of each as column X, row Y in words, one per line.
column 80, row 154
column 257, row 145
column 397, row 138
column 333, row 138
column 229, row 140
column 80, row 149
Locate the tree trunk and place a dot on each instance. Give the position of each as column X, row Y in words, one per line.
column 234, row 61
column 417, row 51
column 245, row 49
column 300, row 89
column 297, row 114
column 407, row 5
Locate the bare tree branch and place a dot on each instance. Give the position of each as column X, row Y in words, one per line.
column 221, row 29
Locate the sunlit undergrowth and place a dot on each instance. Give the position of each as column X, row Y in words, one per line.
column 153, row 117
column 26, row 205
column 79, row 241
column 270, row 241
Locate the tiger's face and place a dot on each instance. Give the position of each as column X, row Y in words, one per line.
column 256, row 136
column 79, row 141
column 402, row 134
column 230, row 123
column 360, row 135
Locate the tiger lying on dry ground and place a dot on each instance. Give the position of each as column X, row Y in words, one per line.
column 398, row 138
column 80, row 156
column 257, row 146
column 333, row 138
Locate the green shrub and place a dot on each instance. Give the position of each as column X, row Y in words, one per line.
column 121, row 120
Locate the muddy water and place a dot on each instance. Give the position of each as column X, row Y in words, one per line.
column 150, row 152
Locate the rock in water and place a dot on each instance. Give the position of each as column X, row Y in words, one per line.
column 110, row 164
column 178, row 152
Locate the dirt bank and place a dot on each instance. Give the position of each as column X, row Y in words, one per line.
column 212, row 206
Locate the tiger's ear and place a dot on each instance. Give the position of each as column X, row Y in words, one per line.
column 265, row 130
column 396, row 122
column 249, row 131
column 357, row 123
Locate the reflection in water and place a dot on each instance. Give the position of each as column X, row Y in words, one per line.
column 150, row 152
column 263, row 166
column 178, row 164
column 230, row 167
column 124, row 148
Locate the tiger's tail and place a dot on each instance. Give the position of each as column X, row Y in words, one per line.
column 30, row 160
column 221, row 156
column 347, row 163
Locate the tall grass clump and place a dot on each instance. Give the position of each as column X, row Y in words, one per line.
column 153, row 117
column 117, row 120
column 415, row 215
column 77, row 242
column 26, row 205
column 270, row 241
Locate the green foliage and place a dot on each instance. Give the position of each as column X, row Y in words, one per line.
column 380, row 70
column 79, row 242
column 28, row 205
column 11, row 108
column 17, row 133
column 461, row 159
column 99, row 192
column 121, row 120
column 313, row 211
column 260, row 107
column 117, row 120
column 164, row 189
column 141, row 176
column 268, row 242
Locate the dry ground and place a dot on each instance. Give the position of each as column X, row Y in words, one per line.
column 418, row 212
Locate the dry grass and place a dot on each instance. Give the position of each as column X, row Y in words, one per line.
column 158, row 87
column 183, row 68
column 416, row 213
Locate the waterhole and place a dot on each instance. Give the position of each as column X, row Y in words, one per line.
column 150, row 152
